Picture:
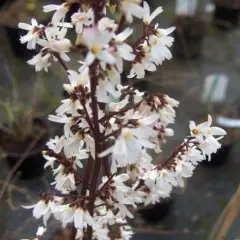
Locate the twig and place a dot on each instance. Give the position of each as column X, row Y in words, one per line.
column 216, row 226
column 23, row 191
column 18, row 164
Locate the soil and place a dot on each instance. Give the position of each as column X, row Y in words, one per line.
column 12, row 146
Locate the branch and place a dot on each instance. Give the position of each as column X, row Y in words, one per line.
column 18, row 163
column 112, row 114
column 60, row 61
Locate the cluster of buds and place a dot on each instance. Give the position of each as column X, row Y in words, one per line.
column 101, row 163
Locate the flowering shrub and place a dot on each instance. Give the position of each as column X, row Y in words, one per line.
column 108, row 127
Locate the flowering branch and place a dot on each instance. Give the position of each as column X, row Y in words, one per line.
column 109, row 128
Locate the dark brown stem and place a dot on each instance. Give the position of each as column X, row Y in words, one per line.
column 73, row 233
column 121, row 24
column 113, row 134
column 105, row 163
column 61, row 61
column 112, row 114
column 71, row 196
column 97, row 161
column 105, row 184
column 175, row 153
column 87, row 175
column 88, row 119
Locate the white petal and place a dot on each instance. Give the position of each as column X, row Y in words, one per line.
column 29, row 207
column 124, row 35
column 25, row 26
column 106, row 152
column 217, row 131
column 58, row 16
column 146, row 143
column 113, row 166
column 209, row 120
column 90, row 58
column 88, row 218
column 58, row 119
column 65, row 57
column 168, row 30
column 156, row 12
column 50, row 7
column 79, row 27
column 122, row 177
column 146, row 10
column 106, row 57
column 78, row 218
column 34, row 22
column 192, row 125
column 46, row 216
column 39, row 209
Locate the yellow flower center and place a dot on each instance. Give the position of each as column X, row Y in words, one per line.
column 195, row 131
column 67, row 6
column 95, row 49
column 159, row 34
column 126, row 134
column 164, row 174
column 155, row 42
column 81, row 18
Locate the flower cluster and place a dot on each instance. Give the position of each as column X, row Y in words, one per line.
column 101, row 164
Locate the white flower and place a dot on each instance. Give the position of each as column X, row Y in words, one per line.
column 64, row 182
column 50, row 160
column 159, row 45
column 81, row 19
column 107, row 24
column 56, row 144
column 166, row 179
column 145, row 130
column 41, row 231
column 171, row 101
column 123, row 212
column 124, row 51
column 34, row 31
column 132, row 8
column 117, row 187
column 103, row 232
column 144, row 63
column 107, row 92
column 57, row 44
column 205, row 130
column 209, row 146
column 184, row 168
column 147, row 17
column 192, row 155
column 78, row 216
column 126, row 232
column 166, row 110
column 154, row 192
column 60, row 11
column 142, row 166
column 40, row 61
column 76, row 80
column 43, row 209
column 126, row 150
column 97, row 42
